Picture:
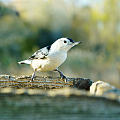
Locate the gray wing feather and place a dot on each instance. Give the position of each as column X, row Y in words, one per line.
column 41, row 54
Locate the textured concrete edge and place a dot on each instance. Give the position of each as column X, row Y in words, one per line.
column 66, row 92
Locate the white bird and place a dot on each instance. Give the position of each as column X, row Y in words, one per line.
column 51, row 57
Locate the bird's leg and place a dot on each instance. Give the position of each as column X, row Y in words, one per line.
column 62, row 76
column 33, row 75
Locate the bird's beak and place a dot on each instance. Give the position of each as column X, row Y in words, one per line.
column 76, row 43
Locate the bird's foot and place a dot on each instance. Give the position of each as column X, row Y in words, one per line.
column 63, row 77
column 32, row 78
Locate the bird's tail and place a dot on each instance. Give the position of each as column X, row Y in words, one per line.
column 25, row 62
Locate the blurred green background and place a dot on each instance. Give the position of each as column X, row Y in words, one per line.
column 28, row 25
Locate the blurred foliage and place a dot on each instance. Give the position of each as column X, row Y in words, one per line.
column 26, row 26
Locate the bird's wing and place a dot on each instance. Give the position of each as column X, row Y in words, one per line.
column 41, row 54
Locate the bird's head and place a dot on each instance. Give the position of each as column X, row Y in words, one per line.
column 64, row 44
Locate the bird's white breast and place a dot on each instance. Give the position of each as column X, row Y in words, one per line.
column 51, row 62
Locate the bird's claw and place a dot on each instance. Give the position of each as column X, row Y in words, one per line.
column 33, row 76
column 32, row 79
column 63, row 77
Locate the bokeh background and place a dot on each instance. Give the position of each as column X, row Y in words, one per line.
column 28, row 25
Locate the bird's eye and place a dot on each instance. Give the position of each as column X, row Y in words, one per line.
column 65, row 41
